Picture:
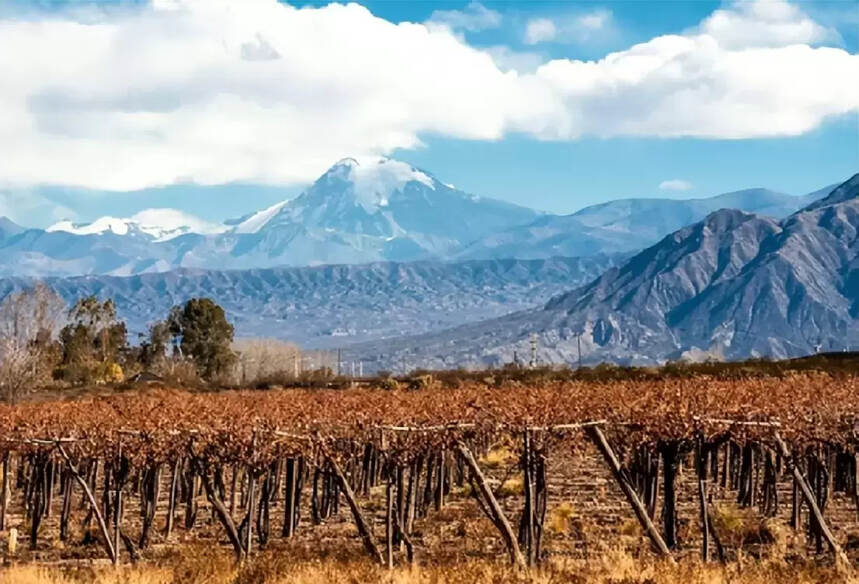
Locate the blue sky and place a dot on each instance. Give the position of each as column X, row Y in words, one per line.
column 175, row 128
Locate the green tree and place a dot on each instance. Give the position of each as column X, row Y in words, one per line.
column 93, row 342
column 201, row 332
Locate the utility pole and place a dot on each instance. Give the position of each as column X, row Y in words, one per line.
column 533, row 350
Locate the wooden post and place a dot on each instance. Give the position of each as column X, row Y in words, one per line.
column 701, row 459
column 360, row 522
column 628, row 490
column 670, row 455
column 409, row 511
column 389, row 524
column 67, row 506
column 808, row 495
column 117, row 516
column 4, row 493
column 501, row 523
column 250, row 517
column 171, row 504
column 289, row 498
column 439, row 493
column 93, row 504
column 528, row 512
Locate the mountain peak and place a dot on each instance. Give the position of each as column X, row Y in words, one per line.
column 371, row 180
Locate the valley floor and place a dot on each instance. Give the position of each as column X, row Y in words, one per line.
column 201, row 565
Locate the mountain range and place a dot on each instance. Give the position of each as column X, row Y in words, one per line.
column 335, row 305
column 359, row 211
column 734, row 285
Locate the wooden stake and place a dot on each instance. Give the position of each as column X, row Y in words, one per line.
column 360, row 522
column 808, row 495
column 389, row 524
column 4, row 493
column 93, row 504
column 528, row 512
column 224, row 515
column 502, row 523
column 628, row 490
column 701, row 456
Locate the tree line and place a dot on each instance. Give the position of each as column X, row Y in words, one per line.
column 43, row 341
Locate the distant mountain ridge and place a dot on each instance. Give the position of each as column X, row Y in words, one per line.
column 360, row 210
column 626, row 225
column 336, row 305
column 735, row 285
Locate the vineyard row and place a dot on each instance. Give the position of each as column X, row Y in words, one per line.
column 245, row 450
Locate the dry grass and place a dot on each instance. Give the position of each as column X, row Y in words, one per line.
column 499, row 456
column 560, row 518
column 613, row 567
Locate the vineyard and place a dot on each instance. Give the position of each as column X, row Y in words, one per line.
column 650, row 465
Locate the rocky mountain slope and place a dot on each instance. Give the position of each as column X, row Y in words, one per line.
column 734, row 285
column 335, row 305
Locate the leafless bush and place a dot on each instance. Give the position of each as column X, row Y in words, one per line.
column 28, row 322
column 264, row 361
column 177, row 372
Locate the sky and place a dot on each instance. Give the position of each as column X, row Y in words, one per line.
column 218, row 108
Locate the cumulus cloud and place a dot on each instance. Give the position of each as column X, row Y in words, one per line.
column 217, row 91
column 760, row 23
column 675, row 184
column 540, row 30
column 474, row 17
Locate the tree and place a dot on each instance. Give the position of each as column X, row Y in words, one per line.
column 28, row 352
column 201, row 332
column 153, row 347
column 93, row 342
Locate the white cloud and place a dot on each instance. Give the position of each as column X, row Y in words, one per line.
column 572, row 28
column 675, row 184
column 596, row 20
column 475, row 17
column 763, row 23
column 539, row 30
column 216, row 91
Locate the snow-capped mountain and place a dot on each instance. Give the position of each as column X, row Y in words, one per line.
column 371, row 209
column 734, row 285
column 360, row 210
column 157, row 224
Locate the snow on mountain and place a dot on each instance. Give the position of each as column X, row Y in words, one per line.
column 159, row 224
column 734, row 285
column 97, row 227
column 366, row 209
column 256, row 221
